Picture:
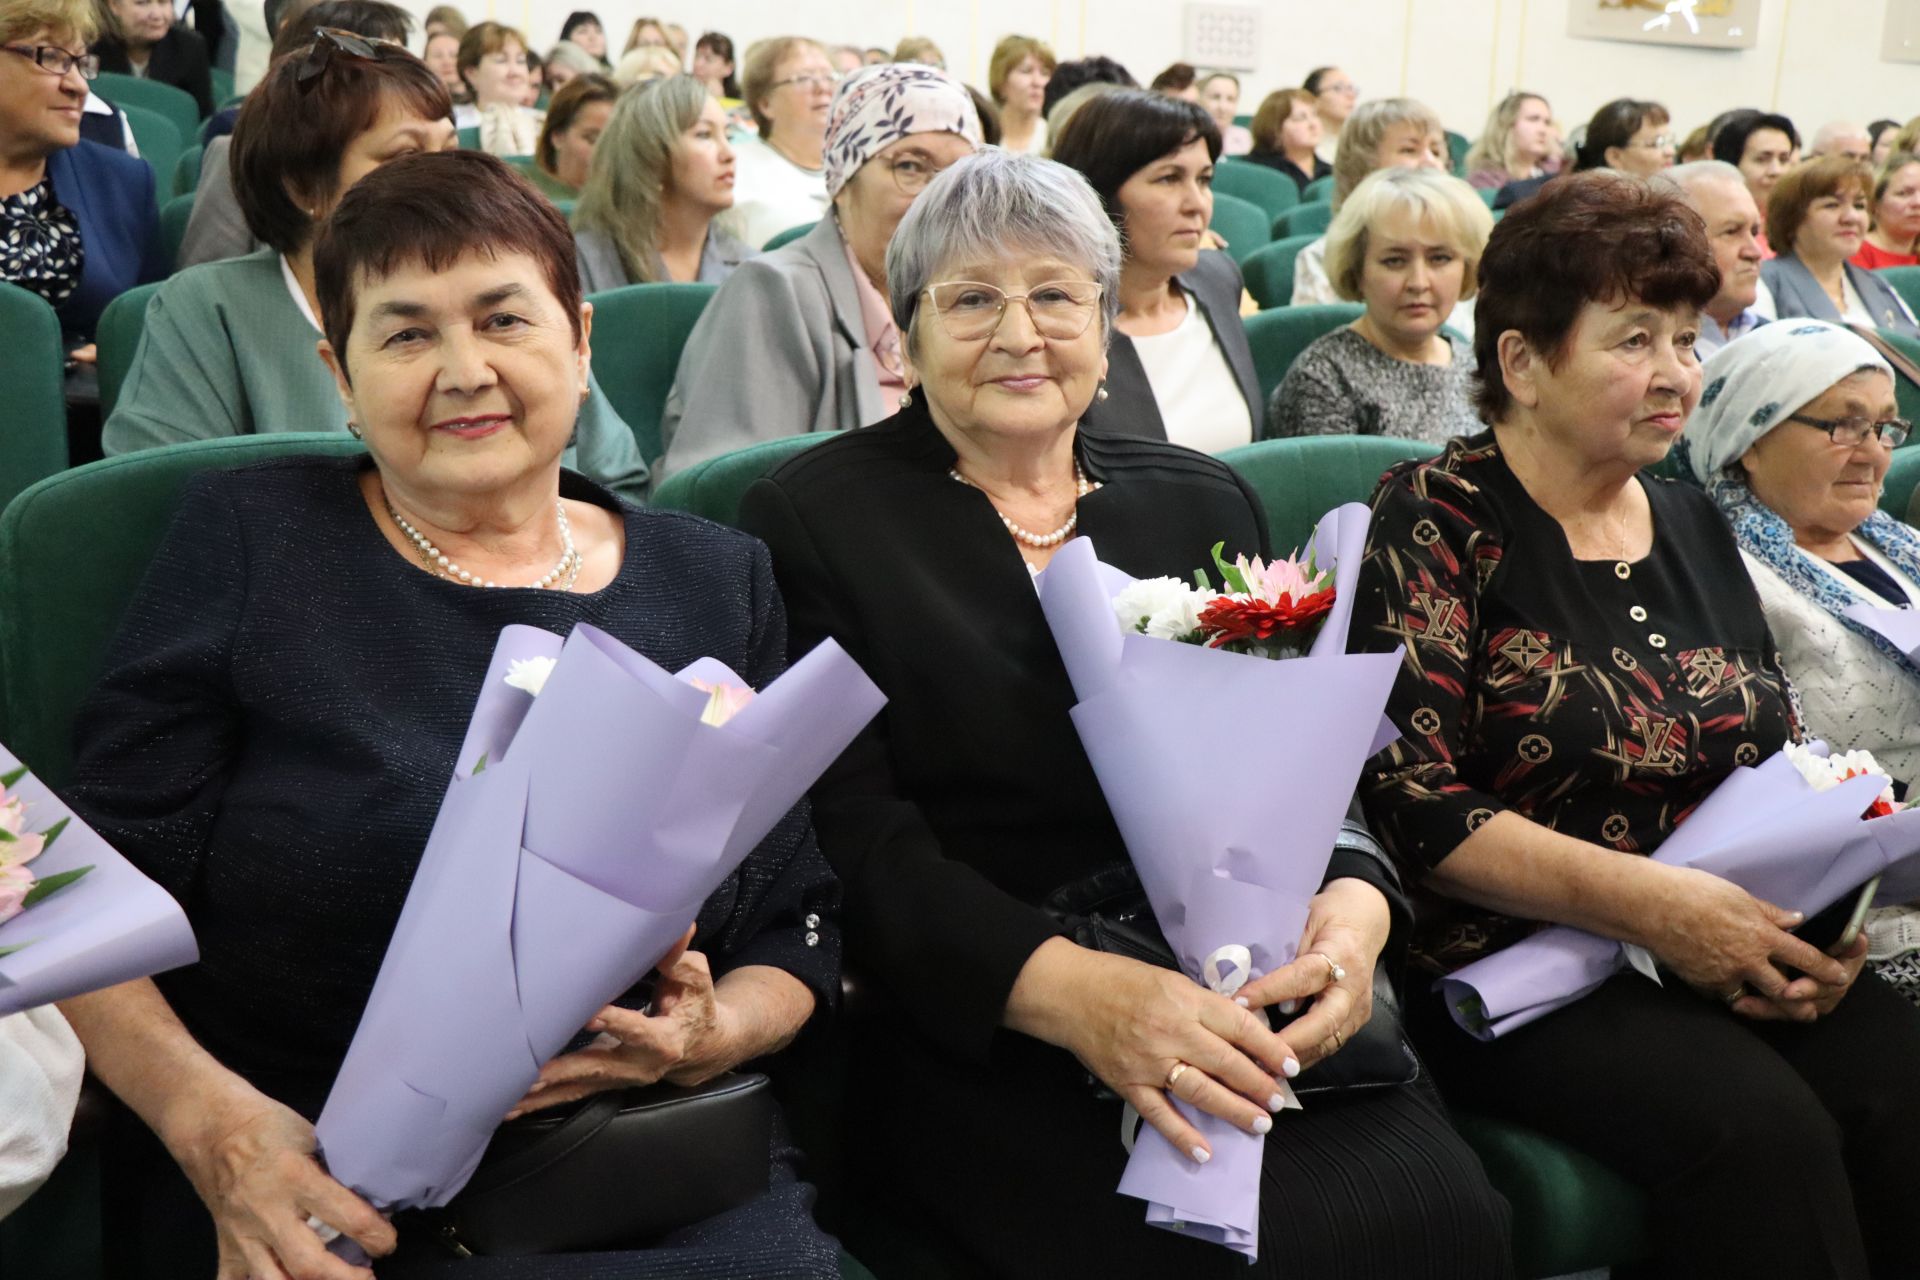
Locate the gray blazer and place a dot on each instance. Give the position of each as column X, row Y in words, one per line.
column 216, row 230
column 1130, row 408
column 1797, row 293
column 781, row 350
column 601, row 268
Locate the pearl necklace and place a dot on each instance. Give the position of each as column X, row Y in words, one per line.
column 438, row 562
column 1041, row 541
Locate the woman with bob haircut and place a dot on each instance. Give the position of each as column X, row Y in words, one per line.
column 1386, row 133
column 492, row 63
column 662, row 173
column 1179, row 367
column 1584, row 662
column 291, row 827
column 1518, row 143
column 1626, row 135
column 1017, row 78
column 577, row 116
column 1004, row 279
column 1406, row 243
column 228, row 348
column 1286, row 136
column 1762, row 146
column 1816, row 222
column 782, row 179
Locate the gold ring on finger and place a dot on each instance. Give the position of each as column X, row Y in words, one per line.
column 1736, row 995
column 1338, row 1043
column 1173, row 1076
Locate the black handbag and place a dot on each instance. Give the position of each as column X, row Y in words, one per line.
column 618, row 1171
column 1108, row 911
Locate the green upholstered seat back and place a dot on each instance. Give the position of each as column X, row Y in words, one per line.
column 174, row 216
column 638, row 333
column 177, row 105
column 1243, row 224
column 118, row 337
column 1301, row 479
column 1570, row 1212
column 1903, row 478
column 186, row 171
column 32, row 369
column 1269, row 271
column 1272, row 190
column 1279, row 336
column 788, row 236
column 1319, row 191
column 72, row 550
column 161, row 143
column 1311, row 218
column 1905, row 390
column 713, row 488
column 1457, row 148
column 1905, row 282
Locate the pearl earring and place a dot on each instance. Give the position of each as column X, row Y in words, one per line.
column 906, row 399
column 353, row 429
column 1101, row 394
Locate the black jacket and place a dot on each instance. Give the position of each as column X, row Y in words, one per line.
column 179, row 59
column 1130, row 408
column 970, row 799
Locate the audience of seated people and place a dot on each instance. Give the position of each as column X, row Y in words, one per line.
column 1554, row 356
column 1406, row 243
column 1286, row 136
column 1817, row 221
column 660, row 177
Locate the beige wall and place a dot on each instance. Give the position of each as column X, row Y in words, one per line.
column 1815, row 59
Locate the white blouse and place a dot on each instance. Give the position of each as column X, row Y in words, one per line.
column 771, row 194
column 1199, row 396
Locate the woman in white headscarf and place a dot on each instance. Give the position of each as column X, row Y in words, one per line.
column 1795, row 431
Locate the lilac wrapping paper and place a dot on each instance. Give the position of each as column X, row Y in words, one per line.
column 555, row 878
column 1228, row 776
column 1764, row 828
column 1900, row 627
column 112, row 925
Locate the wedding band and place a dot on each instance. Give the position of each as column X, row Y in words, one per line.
column 1338, row 1043
column 1334, row 972
column 1736, row 995
column 327, row 1232
column 1173, row 1076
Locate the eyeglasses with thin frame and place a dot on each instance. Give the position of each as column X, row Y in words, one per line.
column 1853, row 431
column 1662, row 143
column 968, row 310
column 809, row 81
column 57, row 61
column 912, row 172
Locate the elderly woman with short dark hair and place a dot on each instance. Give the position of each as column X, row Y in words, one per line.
column 950, row 845
column 229, row 347
column 280, row 714
column 1585, row 661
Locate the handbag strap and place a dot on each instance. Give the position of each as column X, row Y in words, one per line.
column 596, row 1114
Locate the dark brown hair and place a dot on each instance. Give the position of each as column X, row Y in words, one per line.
column 1614, row 125
column 399, row 215
column 292, row 132
column 1586, row 238
column 569, row 100
column 1800, row 186
column 1116, row 135
column 1272, row 115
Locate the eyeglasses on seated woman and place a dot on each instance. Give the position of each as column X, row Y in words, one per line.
column 280, row 714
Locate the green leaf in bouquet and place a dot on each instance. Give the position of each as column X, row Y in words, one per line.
column 10, row 778
column 480, row 765
column 48, row 885
column 7, row 837
column 7, row 951
column 52, row 833
column 1473, row 1015
column 1230, row 575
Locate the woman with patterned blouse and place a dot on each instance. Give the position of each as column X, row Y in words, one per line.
column 1585, row 661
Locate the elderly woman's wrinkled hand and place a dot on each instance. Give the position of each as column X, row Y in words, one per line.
column 254, row 1168
column 1826, row 997
column 1347, row 926
column 1720, row 939
column 685, row 1039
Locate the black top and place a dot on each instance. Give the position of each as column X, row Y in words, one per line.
column 1875, row 579
column 1599, row 698
column 178, row 58
column 969, row 799
column 1278, row 160
column 278, row 723
column 1514, row 192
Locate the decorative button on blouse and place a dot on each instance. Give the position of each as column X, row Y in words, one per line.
column 813, row 920
column 813, row 939
column 1657, row 640
column 1637, row 614
column 1623, row 571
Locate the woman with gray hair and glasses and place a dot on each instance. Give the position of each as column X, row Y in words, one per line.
column 967, row 817
column 1794, row 434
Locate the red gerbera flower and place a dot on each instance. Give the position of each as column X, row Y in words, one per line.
column 1229, row 621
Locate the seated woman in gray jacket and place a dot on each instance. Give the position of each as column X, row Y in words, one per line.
column 1816, row 220
column 231, row 348
column 1179, row 367
column 802, row 339
column 660, row 173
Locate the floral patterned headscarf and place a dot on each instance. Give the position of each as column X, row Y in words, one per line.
column 875, row 107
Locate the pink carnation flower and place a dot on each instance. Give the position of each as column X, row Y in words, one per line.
column 17, row 846
column 15, row 883
column 725, row 702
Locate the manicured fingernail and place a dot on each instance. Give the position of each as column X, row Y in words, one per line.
column 1290, row 1068
column 1242, row 1002
column 1289, row 1006
column 513, row 1115
column 1796, row 915
column 1200, row 1155
column 538, row 1085
column 1262, row 1124
column 1277, row 1103
column 598, row 1024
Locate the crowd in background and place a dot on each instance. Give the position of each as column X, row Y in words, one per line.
column 1648, row 376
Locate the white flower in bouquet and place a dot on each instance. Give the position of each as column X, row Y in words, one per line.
column 1823, row 773
column 1164, row 608
column 529, row 674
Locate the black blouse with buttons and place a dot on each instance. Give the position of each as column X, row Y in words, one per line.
column 1601, row 698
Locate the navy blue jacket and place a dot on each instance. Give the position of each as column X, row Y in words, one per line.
column 110, row 195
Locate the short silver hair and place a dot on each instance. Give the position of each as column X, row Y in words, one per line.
column 1689, row 177
column 995, row 202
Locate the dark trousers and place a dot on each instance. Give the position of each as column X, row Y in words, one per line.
column 1767, row 1149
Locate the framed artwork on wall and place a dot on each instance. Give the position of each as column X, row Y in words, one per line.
column 1902, row 42
column 1688, row 24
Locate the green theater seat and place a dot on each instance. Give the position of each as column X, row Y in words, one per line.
column 713, row 488
column 1570, row 1213
column 638, row 333
column 1301, row 479
column 33, row 370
